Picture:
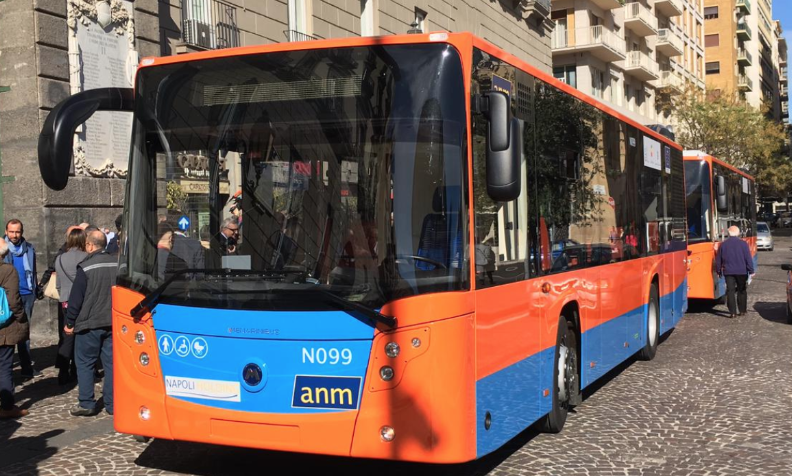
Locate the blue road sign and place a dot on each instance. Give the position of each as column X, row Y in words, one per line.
column 184, row 223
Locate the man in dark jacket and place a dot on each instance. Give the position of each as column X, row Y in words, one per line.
column 89, row 317
column 734, row 261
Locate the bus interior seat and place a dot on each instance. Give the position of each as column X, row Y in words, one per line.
column 441, row 234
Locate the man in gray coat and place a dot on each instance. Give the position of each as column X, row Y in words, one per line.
column 89, row 317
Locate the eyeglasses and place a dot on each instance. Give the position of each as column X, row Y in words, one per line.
column 235, row 230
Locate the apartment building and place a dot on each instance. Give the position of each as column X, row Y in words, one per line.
column 632, row 55
column 780, row 59
column 519, row 27
column 743, row 49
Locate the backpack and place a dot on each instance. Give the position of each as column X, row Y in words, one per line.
column 5, row 311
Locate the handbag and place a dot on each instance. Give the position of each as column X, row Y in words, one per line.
column 5, row 311
column 51, row 289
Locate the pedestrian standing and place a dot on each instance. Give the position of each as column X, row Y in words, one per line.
column 734, row 261
column 18, row 330
column 89, row 318
column 66, row 271
column 23, row 256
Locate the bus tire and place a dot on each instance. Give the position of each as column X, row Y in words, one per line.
column 566, row 378
column 141, row 439
column 652, row 326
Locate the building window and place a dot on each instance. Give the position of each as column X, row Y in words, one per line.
column 566, row 74
column 711, row 40
column 628, row 96
column 597, row 83
column 710, row 13
column 298, row 18
column 713, row 67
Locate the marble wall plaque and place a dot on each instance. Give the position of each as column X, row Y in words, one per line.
column 104, row 57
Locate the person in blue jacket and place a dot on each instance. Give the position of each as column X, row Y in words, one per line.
column 734, row 261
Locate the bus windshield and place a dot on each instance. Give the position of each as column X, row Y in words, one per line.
column 332, row 171
column 697, row 191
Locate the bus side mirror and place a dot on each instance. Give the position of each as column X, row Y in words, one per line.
column 56, row 141
column 504, row 143
column 720, row 194
column 786, row 267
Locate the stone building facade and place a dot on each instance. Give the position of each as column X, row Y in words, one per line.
column 35, row 76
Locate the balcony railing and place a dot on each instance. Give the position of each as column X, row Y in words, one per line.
column 744, row 31
column 745, row 83
column 669, row 80
column 592, row 38
column 744, row 6
column 209, row 24
column 639, row 19
column 669, row 43
column 641, row 66
column 783, row 75
column 744, row 57
column 294, row 35
column 784, row 91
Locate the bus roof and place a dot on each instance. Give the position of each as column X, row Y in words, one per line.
column 699, row 155
column 462, row 41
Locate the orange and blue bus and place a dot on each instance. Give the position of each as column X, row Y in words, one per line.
column 433, row 245
column 718, row 196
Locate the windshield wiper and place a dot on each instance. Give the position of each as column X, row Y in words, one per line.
column 347, row 305
column 151, row 299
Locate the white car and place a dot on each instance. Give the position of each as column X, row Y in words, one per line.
column 764, row 239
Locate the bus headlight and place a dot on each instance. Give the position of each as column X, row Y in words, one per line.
column 144, row 359
column 387, row 434
column 145, row 413
column 140, row 337
column 392, row 350
column 386, row 373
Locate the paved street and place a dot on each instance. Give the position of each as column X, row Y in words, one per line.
column 715, row 401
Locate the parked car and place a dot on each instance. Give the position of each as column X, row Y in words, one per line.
column 788, row 269
column 785, row 220
column 764, row 239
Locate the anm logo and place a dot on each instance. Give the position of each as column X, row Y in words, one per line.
column 336, row 393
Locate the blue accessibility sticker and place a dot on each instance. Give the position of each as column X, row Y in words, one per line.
column 166, row 344
column 199, row 348
column 182, row 346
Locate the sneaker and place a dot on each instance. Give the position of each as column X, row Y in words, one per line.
column 77, row 410
column 15, row 412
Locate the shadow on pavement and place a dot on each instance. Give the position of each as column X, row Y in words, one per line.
column 41, row 388
column 203, row 459
column 27, row 450
column 773, row 311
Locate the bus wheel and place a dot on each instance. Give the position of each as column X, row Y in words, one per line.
column 652, row 326
column 141, row 439
column 566, row 381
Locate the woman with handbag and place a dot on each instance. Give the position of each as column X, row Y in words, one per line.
column 65, row 272
column 15, row 329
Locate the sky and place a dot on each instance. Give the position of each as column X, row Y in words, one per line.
column 782, row 10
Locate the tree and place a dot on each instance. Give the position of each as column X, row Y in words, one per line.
column 176, row 197
column 728, row 128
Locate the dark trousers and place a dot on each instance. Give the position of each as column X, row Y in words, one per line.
column 65, row 359
column 89, row 347
column 737, row 283
column 24, row 347
column 6, row 377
